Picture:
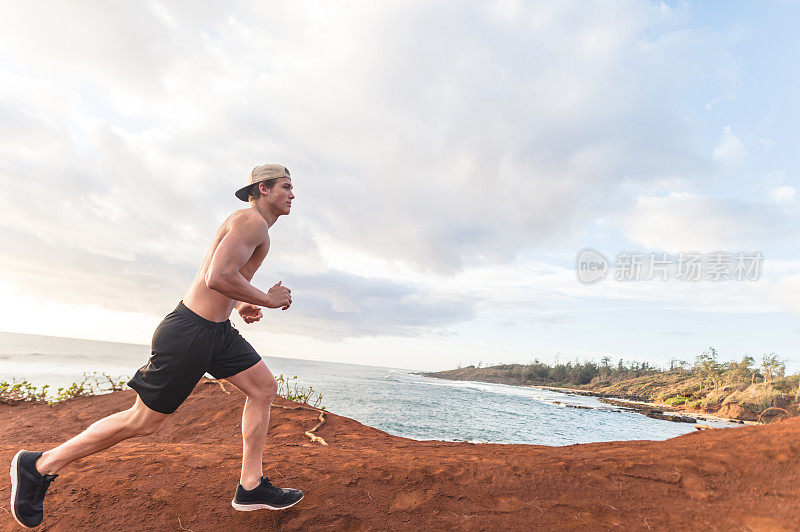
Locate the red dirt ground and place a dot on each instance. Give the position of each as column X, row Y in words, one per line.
column 184, row 476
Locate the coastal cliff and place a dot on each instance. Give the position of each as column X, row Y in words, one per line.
column 676, row 390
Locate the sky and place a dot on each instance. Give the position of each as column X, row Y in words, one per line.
column 450, row 160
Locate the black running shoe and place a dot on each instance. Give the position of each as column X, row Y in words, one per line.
column 28, row 489
column 265, row 495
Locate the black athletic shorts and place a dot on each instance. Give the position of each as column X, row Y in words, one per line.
column 186, row 346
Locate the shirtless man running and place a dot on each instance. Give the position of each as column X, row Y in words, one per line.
column 195, row 338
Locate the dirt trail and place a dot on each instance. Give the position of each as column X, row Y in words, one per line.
column 183, row 477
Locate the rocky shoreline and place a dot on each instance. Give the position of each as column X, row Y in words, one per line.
column 649, row 409
column 630, row 402
column 677, row 395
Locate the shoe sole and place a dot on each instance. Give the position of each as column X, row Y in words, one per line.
column 251, row 507
column 13, row 472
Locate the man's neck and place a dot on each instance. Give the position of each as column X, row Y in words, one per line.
column 269, row 216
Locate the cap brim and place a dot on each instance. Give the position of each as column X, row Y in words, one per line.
column 242, row 193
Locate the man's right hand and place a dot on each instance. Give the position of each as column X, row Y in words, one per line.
column 279, row 296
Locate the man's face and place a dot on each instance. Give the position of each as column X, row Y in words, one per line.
column 280, row 196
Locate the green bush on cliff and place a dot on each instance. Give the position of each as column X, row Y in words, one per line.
column 90, row 384
column 290, row 389
column 95, row 383
column 22, row 391
column 674, row 401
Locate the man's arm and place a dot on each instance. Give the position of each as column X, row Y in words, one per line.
column 233, row 251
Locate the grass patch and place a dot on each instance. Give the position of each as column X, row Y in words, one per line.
column 675, row 401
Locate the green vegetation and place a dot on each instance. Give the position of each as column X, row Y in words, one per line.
column 91, row 384
column 706, row 383
column 675, row 401
column 22, row 391
column 289, row 388
column 560, row 374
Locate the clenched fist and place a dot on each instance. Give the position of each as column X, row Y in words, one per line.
column 279, row 296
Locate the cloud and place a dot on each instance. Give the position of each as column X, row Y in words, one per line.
column 783, row 194
column 786, row 292
column 731, row 150
column 767, row 144
column 719, row 100
column 683, row 221
column 443, row 137
column 446, row 158
column 59, row 273
column 337, row 305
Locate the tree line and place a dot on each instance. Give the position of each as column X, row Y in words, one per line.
column 712, row 373
column 716, row 375
column 576, row 372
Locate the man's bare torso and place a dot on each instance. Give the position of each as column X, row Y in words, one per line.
column 209, row 303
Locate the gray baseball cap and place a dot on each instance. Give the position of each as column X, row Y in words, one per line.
column 265, row 172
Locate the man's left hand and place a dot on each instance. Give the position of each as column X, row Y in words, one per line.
column 249, row 312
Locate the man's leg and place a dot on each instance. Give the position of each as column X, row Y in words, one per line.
column 32, row 472
column 138, row 420
column 260, row 386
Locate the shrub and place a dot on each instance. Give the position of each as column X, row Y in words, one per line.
column 290, row 389
column 21, row 392
column 91, row 384
column 675, row 401
column 756, row 397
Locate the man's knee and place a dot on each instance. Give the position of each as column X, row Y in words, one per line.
column 143, row 423
column 139, row 426
column 148, row 426
column 272, row 388
column 264, row 391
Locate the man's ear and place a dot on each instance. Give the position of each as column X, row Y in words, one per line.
column 262, row 187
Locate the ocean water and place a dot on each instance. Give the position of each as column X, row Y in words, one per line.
column 394, row 400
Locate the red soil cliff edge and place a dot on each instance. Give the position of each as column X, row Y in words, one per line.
column 184, row 476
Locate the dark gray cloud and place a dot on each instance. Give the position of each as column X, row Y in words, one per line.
column 337, row 305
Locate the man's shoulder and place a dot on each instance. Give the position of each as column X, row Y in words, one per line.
column 248, row 221
column 248, row 216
